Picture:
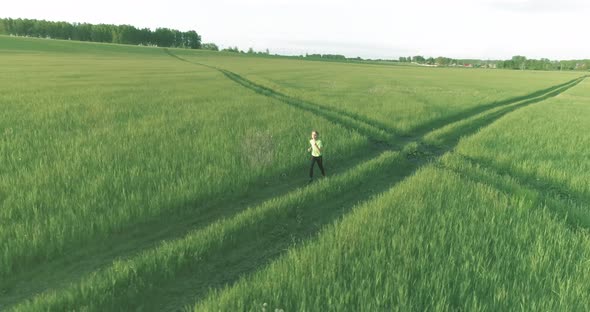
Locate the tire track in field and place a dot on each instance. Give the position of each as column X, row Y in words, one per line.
column 425, row 154
column 422, row 155
column 370, row 128
column 547, row 190
column 421, row 130
column 468, row 126
column 418, row 133
column 373, row 130
column 241, row 255
column 221, row 268
column 228, row 269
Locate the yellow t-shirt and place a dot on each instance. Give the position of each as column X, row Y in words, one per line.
column 314, row 150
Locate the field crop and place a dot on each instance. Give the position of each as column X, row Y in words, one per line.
column 92, row 144
column 141, row 178
column 422, row 246
column 403, row 98
column 548, row 146
column 492, row 225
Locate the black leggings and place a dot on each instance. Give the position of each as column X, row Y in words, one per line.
column 319, row 161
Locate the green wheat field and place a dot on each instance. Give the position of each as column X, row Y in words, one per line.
column 150, row 179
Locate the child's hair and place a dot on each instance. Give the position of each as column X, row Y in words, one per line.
column 316, row 132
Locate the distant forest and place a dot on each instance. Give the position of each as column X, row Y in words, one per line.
column 125, row 34
column 518, row 62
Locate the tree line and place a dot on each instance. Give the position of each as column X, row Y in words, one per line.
column 517, row 62
column 125, row 34
column 522, row 63
column 166, row 37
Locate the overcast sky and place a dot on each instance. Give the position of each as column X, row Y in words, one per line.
column 484, row 29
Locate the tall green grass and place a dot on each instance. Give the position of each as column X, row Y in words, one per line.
column 436, row 242
column 11, row 45
column 459, row 235
column 96, row 139
column 403, row 98
column 122, row 285
column 547, row 145
column 439, row 136
column 91, row 144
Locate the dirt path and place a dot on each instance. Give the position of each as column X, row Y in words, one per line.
column 223, row 269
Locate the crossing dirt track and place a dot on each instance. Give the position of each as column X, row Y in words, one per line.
column 463, row 209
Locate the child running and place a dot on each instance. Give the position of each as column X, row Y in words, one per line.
column 316, row 153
